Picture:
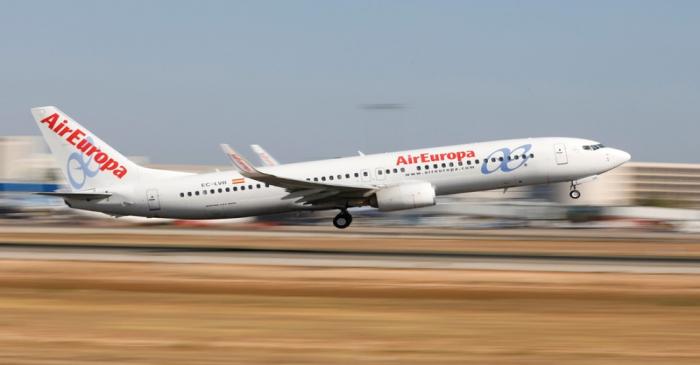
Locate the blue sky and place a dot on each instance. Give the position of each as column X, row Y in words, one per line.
column 171, row 80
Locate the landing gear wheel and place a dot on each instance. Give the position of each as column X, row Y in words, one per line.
column 342, row 220
column 575, row 194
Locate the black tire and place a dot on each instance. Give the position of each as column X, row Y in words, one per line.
column 574, row 194
column 342, row 220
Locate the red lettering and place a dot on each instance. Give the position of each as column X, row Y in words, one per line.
column 451, row 155
column 424, row 157
column 51, row 120
column 65, row 130
column 83, row 145
column 461, row 155
column 101, row 157
column 76, row 134
column 471, row 154
column 109, row 165
column 58, row 127
column 442, row 156
column 435, row 157
column 401, row 161
column 92, row 150
column 120, row 172
column 75, row 137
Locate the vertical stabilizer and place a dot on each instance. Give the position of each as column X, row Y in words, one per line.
column 86, row 161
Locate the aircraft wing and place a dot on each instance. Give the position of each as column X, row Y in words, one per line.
column 307, row 192
column 265, row 157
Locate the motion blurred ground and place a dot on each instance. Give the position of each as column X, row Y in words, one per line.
column 81, row 312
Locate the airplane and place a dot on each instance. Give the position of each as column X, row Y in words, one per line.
column 265, row 158
column 101, row 179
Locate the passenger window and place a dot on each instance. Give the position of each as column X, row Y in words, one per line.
column 427, row 167
column 452, row 164
column 418, row 168
column 469, row 162
column 516, row 157
column 250, row 187
column 315, row 179
column 476, row 162
column 365, row 173
column 444, row 165
column 459, row 163
column 435, row 166
column 212, row 191
column 330, row 177
column 532, row 155
column 267, row 185
column 235, row 188
column 396, row 170
column 221, row 190
column 347, row 176
column 388, row 171
column 493, row 159
column 524, row 156
column 403, row 169
column 196, row 193
column 228, row 190
column 189, row 193
column 182, row 195
column 357, row 175
column 257, row 186
column 204, row 192
column 242, row 187
column 323, row 178
column 340, row 176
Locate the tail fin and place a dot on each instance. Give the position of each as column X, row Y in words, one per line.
column 87, row 162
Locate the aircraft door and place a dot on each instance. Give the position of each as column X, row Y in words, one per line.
column 560, row 154
column 152, row 199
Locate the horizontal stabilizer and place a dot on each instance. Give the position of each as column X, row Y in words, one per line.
column 79, row 196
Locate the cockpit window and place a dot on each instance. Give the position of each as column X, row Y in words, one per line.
column 593, row 147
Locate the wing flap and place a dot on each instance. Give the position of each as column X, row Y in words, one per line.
column 292, row 185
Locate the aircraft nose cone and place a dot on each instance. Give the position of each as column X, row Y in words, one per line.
column 625, row 156
column 619, row 157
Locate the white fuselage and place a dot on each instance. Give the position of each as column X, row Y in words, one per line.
column 450, row 170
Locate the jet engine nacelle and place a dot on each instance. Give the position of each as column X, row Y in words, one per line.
column 404, row 196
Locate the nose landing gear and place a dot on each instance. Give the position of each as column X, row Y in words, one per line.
column 574, row 194
column 342, row 220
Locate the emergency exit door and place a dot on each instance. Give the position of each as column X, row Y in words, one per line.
column 152, row 199
column 560, row 154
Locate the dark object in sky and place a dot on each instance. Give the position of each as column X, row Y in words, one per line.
column 383, row 106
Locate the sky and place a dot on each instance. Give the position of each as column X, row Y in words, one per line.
column 171, row 80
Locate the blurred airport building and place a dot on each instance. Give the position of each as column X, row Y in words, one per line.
column 26, row 166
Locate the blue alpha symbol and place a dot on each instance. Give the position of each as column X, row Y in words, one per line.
column 507, row 160
column 80, row 164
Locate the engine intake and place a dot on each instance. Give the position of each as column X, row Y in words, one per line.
column 404, row 196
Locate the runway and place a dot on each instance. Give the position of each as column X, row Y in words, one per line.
column 348, row 259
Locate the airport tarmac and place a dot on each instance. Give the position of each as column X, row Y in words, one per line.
column 375, row 259
column 297, row 295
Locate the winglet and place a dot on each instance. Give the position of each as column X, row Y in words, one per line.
column 265, row 157
column 239, row 161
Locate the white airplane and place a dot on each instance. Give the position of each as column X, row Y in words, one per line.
column 265, row 158
column 101, row 179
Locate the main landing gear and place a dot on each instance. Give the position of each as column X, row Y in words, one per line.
column 574, row 194
column 343, row 219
